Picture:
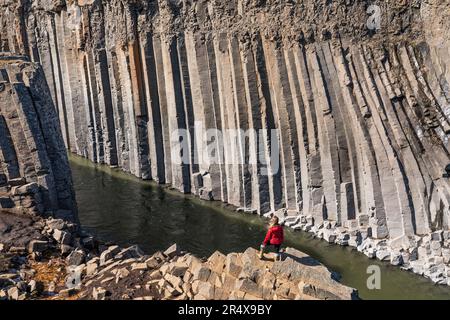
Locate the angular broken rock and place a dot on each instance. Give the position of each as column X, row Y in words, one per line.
column 109, row 254
column 383, row 255
column 217, row 261
column 318, row 293
column 178, row 269
column 66, row 293
column 233, row 265
column 175, row 281
column 132, row 252
column 88, row 242
column 27, row 189
column 13, row 293
column 3, row 295
column 205, row 290
column 91, row 268
column 201, row 273
column 122, row 274
column 397, row 259
column 76, row 258
column 56, row 224
column 329, row 236
column 62, row 237
column 250, row 287
column 139, row 266
column 153, row 262
column 37, row 246
column 99, row 293
column 172, row 251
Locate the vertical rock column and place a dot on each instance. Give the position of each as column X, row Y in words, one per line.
column 33, row 155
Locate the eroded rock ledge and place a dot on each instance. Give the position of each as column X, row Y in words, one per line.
column 53, row 253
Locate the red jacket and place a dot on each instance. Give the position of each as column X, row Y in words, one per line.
column 275, row 236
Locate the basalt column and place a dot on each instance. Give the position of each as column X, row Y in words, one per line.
column 34, row 170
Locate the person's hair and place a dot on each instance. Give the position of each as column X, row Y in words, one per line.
column 274, row 221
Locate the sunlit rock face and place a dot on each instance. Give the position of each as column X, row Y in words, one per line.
column 357, row 95
column 35, row 176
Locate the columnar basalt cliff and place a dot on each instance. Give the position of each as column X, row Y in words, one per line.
column 362, row 109
column 34, row 170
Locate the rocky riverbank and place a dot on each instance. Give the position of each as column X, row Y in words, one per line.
column 427, row 255
column 54, row 259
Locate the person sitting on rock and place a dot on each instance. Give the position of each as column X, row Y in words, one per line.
column 274, row 237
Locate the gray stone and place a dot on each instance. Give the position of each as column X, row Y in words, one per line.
column 363, row 220
column 446, row 255
column 88, row 242
column 36, row 287
column 141, row 90
column 172, row 251
column 206, row 290
column 122, row 274
column 66, row 249
column 329, row 236
column 139, row 266
column 27, row 189
column 383, row 255
column 76, row 258
column 309, row 220
column 130, row 253
column 62, row 237
column 57, row 224
column 99, row 293
column 17, row 250
column 13, row 293
column 446, row 235
column 201, row 273
column 91, row 269
column 206, row 194
column 250, row 287
column 437, row 236
column 179, row 269
column 370, row 253
column 64, row 214
column 435, row 245
column 67, row 293
column 406, row 257
column 396, row 259
column 109, row 254
column 153, row 262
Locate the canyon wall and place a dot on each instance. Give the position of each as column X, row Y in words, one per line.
column 35, row 176
column 357, row 94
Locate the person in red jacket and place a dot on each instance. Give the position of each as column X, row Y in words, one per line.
column 274, row 237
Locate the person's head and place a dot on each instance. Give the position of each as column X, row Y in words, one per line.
column 274, row 221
